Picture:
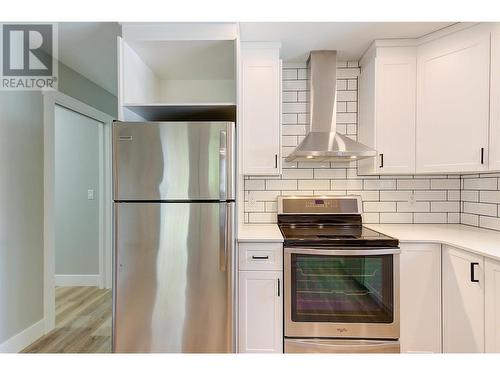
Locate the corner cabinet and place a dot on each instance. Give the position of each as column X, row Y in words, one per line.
column 463, row 301
column 387, row 109
column 492, row 306
column 494, row 156
column 260, row 108
column 420, row 298
column 260, row 298
column 453, row 102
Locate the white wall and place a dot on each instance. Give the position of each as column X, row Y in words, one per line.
column 21, row 207
column 21, row 212
column 76, row 171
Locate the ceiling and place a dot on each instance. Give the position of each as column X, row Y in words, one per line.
column 350, row 39
column 89, row 48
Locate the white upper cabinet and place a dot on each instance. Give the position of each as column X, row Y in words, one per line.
column 260, row 108
column 494, row 159
column 387, row 109
column 463, row 301
column 453, row 102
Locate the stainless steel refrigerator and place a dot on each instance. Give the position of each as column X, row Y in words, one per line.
column 174, row 237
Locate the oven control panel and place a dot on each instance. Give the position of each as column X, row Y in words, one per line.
column 319, row 205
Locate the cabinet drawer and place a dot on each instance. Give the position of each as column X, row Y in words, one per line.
column 256, row 256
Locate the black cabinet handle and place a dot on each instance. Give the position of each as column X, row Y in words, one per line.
column 472, row 269
column 278, row 287
column 260, row 256
column 381, row 161
column 275, row 160
column 482, row 155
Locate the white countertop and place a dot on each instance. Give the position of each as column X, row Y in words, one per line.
column 477, row 240
column 259, row 233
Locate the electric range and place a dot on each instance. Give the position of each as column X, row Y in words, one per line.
column 341, row 286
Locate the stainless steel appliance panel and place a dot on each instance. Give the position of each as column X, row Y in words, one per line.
column 341, row 346
column 357, row 328
column 174, row 278
column 173, row 161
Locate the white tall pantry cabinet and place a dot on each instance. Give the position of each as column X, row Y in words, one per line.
column 261, row 108
column 453, row 102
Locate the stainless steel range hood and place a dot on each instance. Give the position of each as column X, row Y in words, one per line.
column 323, row 143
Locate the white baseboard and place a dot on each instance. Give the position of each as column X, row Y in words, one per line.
column 78, row 280
column 24, row 338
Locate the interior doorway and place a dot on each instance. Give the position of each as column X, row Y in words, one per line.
column 77, row 227
column 78, row 183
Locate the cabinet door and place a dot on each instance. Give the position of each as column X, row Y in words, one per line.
column 261, row 111
column 494, row 157
column 420, row 298
column 260, row 312
column 463, row 302
column 453, row 102
column 387, row 90
column 395, row 81
column 492, row 306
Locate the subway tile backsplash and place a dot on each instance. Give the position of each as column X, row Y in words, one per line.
column 480, row 200
column 472, row 200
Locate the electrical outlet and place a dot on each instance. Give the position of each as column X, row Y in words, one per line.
column 411, row 199
column 251, row 200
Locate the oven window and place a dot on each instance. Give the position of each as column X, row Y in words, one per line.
column 349, row 289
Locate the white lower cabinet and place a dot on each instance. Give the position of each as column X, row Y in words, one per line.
column 463, row 301
column 260, row 298
column 420, row 298
column 260, row 312
column 492, row 306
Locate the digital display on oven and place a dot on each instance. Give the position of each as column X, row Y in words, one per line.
column 320, row 206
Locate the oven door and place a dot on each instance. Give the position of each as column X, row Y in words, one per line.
column 344, row 293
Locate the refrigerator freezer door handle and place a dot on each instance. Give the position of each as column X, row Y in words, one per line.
column 223, row 237
column 223, row 165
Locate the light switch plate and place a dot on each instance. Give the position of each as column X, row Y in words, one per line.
column 90, row 194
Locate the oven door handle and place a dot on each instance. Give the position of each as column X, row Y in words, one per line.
column 343, row 251
column 341, row 346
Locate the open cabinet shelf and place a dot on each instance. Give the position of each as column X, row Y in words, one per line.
column 159, row 78
column 182, row 111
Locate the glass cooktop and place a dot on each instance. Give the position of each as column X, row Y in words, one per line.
column 334, row 235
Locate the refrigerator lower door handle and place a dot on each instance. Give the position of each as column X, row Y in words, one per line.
column 223, row 215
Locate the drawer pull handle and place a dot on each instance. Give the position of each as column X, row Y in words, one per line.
column 472, row 273
column 258, row 257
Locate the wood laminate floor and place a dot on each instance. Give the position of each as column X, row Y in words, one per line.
column 83, row 323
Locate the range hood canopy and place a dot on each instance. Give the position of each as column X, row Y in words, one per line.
column 323, row 143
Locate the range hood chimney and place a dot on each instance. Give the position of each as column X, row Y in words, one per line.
column 323, row 143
